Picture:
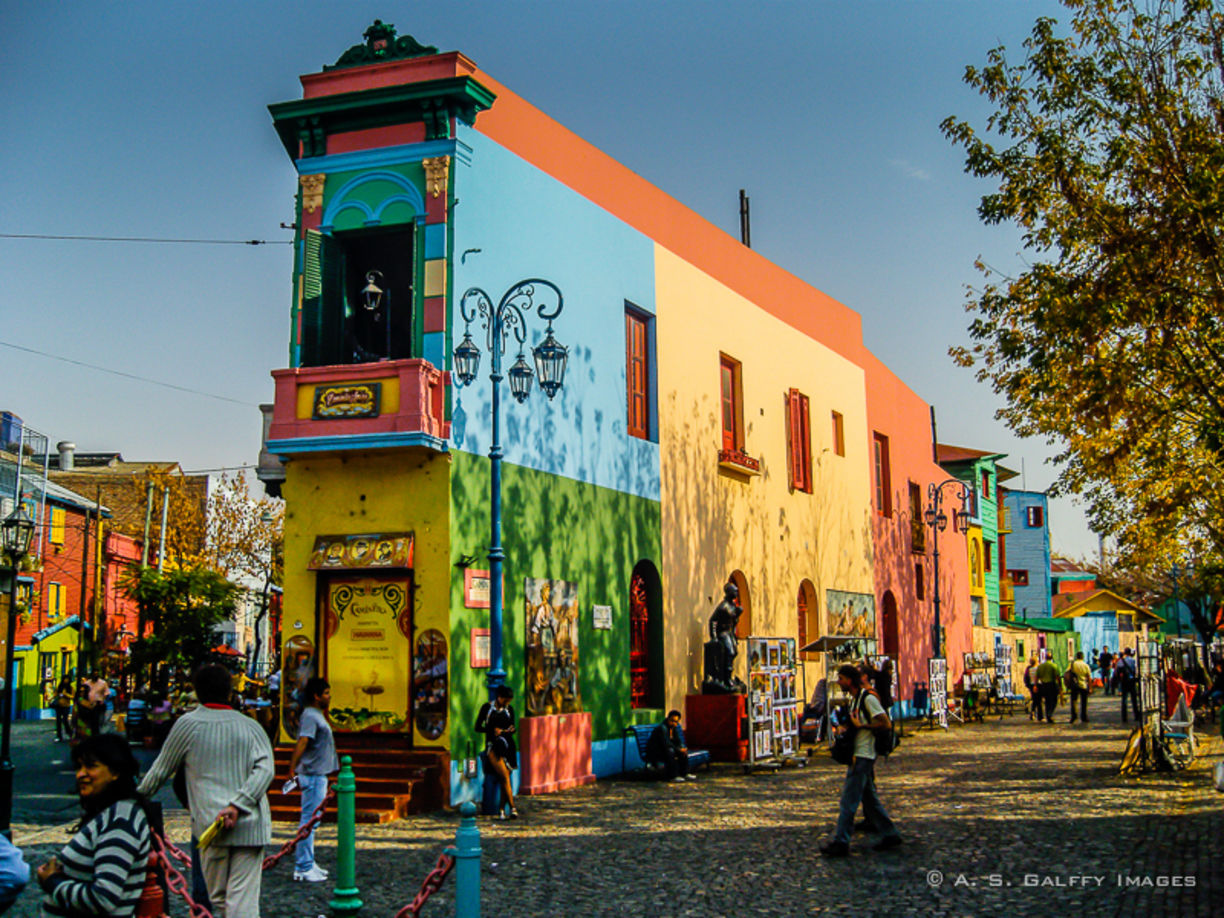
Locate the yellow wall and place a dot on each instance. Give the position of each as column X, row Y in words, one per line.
column 402, row 491
column 713, row 524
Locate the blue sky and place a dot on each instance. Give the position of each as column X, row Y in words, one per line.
column 150, row 119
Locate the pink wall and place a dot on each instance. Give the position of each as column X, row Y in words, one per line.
column 895, row 411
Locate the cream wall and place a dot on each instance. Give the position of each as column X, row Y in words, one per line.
column 369, row 492
column 712, row 523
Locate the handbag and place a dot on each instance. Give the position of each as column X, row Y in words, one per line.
column 843, row 748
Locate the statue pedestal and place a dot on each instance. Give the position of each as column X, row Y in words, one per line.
column 717, row 723
column 555, row 752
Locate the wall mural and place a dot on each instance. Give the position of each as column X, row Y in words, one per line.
column 369, row 648
column 851, row 614
column 552, row 647
column 429, row 683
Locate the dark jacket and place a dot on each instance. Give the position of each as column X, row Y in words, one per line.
column 664, row 745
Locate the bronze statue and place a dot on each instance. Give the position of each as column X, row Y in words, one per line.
column 722, row 647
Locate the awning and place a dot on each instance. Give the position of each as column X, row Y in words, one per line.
column 829, row 642
column 226, row 650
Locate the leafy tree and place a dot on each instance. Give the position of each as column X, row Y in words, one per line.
column 1107, row 147
column 245, row 540
column 183, row 606
column 185, row 513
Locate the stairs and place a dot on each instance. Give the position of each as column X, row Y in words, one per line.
column 394, row 780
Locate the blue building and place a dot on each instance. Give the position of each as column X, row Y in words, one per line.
column 1028, row 551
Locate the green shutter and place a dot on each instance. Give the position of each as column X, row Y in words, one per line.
column 322, row 301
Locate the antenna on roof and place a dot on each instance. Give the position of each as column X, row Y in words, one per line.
column 745, row 220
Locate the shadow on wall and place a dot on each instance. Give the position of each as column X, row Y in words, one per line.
column 713, row 524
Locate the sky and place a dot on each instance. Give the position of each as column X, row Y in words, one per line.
column 149, row 119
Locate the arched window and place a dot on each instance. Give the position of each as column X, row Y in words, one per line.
column 808, row 613
column 645, row 637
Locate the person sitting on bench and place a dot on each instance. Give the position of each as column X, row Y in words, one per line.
column 666, row 748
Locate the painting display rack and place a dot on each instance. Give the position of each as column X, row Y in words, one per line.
column 773, row 703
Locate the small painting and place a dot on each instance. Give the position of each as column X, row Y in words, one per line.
column 551, row 611
column 429, row 684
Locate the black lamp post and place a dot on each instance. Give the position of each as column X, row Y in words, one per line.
column 16, row 533
column 937, row 519
column 510, row 315
column 372, row 298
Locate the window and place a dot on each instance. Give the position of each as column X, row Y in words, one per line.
column 1019, row 578
column 1034, row 517
column 883, row 485
column 336, row 327
column 799, row 440
column 978, row 605
column 806, row 610
column 919, row 581
column 917, row 523
column 839, row 434
column 731, row 395
column 638, row 373
column 985, row 484
column 987, row 555
column 639, row 643
column 58, row 520
column 1019, row 650
column 56, row 602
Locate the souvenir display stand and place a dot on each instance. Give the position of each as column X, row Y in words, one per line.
column 773, row 703
column 937, row 686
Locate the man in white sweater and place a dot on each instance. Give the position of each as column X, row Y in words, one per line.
column 228, row 768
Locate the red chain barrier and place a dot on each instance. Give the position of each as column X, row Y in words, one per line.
column 315, row 818
column 433, row 882
column 165, row 851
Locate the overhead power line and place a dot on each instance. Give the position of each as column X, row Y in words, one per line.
column 147, row 239
column 143, row 379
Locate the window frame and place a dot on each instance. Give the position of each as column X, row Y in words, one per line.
column 882, row 466
column 1018, row 577
column 839, row 434
column 57, row 525
column 639, row 423
column 1034, row 511
column 731, row 401
column 799, row 440
column 987, row 556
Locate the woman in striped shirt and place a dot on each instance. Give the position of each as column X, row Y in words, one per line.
column 102, row 870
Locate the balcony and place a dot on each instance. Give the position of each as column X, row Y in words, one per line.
column 1007, row 592
column 1004, row 520
column 388, row 404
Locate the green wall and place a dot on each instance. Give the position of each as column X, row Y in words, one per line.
column 560, row 529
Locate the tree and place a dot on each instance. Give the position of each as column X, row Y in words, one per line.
column 183, row 606
column 245, row 540
column 1111, row 344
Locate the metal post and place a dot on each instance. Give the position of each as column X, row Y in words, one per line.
column 344, row 896
column 935, row 633
column 161, row 542
column 6, row 712
column 497, row 673
column 467, row 864
column 144, row 545
column 1176, row 601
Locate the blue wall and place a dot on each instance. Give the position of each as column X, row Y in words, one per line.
column 1028, row 548
column 527, row 224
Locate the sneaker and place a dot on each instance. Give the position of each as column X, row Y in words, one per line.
column 678, row 779
column 313, row 875
column 690, row 777
column 887, row 842
column 835, row 849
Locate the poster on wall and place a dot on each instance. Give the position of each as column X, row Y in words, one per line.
column 937, row 680
column 429, row 684
column 480, row 652
column 369, row 652
column 552, row 647
column 851, row 614
column 1003, row 669
column 475, row 588
column 601, row 618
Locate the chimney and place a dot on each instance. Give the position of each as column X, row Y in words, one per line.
column 67, row 449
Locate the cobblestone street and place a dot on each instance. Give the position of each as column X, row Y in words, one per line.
column 1007, row 817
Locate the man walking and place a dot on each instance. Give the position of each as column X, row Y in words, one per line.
column 1030, row 683
column 1047, row 686
column 1079, row 678
column 228, row 760
column 867, row 716
column 1128, row 682
column 314, row 758
column 1105, row 662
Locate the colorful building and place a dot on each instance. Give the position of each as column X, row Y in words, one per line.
column 720, row 420
column 1027, row 547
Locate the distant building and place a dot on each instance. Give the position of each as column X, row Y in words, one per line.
column 1027, row 547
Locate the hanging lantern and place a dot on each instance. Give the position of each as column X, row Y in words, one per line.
column 520, row 379
column 467, row 360
column 550, row 359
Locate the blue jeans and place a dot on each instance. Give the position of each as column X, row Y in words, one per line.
column 860, row 788
column 314, row 789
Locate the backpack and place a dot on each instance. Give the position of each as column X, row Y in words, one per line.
column 885, row 741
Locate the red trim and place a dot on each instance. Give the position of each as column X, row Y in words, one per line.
column 218, row 707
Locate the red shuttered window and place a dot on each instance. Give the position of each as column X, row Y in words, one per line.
column 637, row 370
column 799, row 440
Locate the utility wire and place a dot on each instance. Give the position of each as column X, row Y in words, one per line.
column 147, row 239
column 144, row 379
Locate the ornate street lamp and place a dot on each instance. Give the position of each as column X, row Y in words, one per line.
column 509, row 316
column 372, row 297
column 16, row 533
column 937, row 519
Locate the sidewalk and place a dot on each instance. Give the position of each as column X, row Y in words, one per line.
column 1008, row 817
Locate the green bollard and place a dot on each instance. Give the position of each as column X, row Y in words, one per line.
column 344, row 896
column 467, row 864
